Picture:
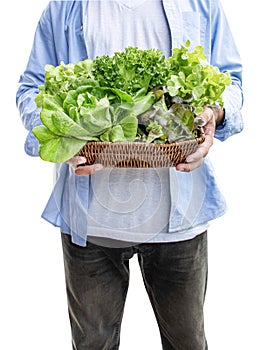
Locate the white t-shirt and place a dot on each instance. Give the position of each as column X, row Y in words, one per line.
column 129, row 204
column 121, row 23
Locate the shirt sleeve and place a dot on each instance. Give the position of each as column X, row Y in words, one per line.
column 225, row 55
column 43, row 52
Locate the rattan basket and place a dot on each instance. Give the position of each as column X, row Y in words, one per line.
column 139, row 154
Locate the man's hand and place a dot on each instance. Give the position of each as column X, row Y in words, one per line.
column 211, row 117
column 81, row 170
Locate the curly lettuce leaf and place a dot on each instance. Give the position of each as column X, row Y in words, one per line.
column 131, row 70
column 195, row 81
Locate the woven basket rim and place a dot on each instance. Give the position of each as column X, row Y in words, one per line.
column 152, row 144
column 139, row 154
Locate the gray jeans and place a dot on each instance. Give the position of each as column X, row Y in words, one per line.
column 174, row 275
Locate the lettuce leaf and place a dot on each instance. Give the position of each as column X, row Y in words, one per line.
column 54, row 148
column 133, row 95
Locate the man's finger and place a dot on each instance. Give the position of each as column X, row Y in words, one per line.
column 88, row 169
column 77, row 160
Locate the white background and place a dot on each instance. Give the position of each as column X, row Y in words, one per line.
column 33, row 311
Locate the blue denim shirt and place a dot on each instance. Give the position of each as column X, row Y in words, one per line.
column 195, row 197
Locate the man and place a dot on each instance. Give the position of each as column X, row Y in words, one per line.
column 162, row 215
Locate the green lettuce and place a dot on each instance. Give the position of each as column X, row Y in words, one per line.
column 68, row 124
column 193, row 80
column 134, row 95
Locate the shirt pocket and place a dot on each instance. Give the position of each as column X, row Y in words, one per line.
column 194, row 28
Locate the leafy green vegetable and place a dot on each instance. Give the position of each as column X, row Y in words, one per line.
column 193, row 80
column 132, row 70
column 55, row 148
column 81, row 117
column 162, row 124
column 65, row 77
column 134, row 95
